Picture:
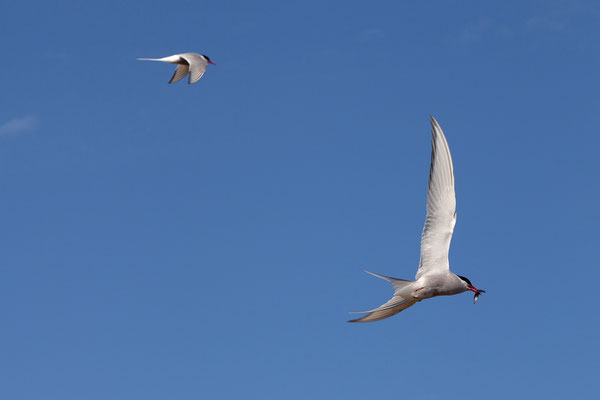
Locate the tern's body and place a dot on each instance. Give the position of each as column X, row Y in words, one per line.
column 434, row 277
column 192, row 63
column 443, row 284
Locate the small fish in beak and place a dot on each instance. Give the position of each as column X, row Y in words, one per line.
column 477, row 293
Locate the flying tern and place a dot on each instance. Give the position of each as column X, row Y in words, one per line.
column 192, row 63
column 434, row 277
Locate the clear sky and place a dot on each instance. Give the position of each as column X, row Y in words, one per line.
column 207, row 241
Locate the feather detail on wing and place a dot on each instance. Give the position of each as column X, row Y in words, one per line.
column 180, row 72
column 392, row 307
column 197, row 66
column 441, row 207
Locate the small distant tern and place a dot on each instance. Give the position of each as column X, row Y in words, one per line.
column 192, row 63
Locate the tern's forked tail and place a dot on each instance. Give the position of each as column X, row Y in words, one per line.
column 170, row 59
column 396, row 304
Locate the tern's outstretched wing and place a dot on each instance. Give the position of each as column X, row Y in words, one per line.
column 441, row 207
column 392, row 307
column 180, row 72
column 197, row 66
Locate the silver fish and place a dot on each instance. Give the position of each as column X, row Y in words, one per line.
column 477, row 293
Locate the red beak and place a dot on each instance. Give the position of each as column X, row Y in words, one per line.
column 210, row 62
column 473, row 289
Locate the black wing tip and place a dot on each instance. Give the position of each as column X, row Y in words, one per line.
column 360, row 319
column 434, row 124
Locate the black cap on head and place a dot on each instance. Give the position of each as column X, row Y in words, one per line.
column 465, row 279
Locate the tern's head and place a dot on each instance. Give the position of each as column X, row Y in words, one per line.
column 469, row 286
column 208, row 59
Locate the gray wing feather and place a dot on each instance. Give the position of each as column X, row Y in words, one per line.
column 441, row 207
column 392, row 307
column 197, row 66
column 180, row 72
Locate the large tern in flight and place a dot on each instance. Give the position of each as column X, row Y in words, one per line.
column 433, row 276
column 192, row 63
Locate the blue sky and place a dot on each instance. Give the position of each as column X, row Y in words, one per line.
column 207, row 241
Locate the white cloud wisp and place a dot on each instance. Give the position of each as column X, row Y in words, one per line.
column 16, row 126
